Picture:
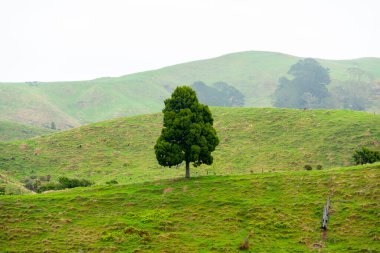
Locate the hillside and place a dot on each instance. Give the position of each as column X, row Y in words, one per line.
column 10, row 131
column 206, row 214
column 251, row 140
column 71, row 104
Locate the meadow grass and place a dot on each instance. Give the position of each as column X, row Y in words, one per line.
column 282, row 211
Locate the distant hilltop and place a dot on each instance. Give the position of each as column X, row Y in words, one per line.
column 254, row 74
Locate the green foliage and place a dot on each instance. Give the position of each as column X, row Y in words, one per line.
column 38, row 185
column 188, row 134
column 307, row 89
column 113, row 181
column 365, row 155
column 72, row 183
column 219, row 94
column 319, row 167
column 32, row 184
column 308, row 167
column 48, row 187
column 231, row 95
column 359, row 92
column 2, row 190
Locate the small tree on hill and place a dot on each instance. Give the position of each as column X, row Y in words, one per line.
column 188, row 134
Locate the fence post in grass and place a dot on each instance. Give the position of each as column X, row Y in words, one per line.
column 325, row 214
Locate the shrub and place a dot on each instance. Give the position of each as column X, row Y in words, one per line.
column 319, row 167
column 365, row 155
column 29, row 185
column 63, row 183
column 308, row 167
column 72, row 183
column 113, row 181
column 49, row 187
column 32, row 185
column 2, row 190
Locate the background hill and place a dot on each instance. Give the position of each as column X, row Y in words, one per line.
column 251, row 140
column 206, row 214
column 10, row 131
column 255, row 74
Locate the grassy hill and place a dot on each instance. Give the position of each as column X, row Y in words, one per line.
column 251, row 140
column 10, row 131
column 12, row 186
column 206, row 214
column 71, row 104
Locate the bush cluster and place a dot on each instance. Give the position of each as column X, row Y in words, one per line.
column 365, row 155
column 36, row 185
column 72, row 183
column 308, row 167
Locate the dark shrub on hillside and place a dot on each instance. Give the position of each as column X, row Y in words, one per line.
column 2, row 190
column 319, row 167
column 49, row 187
column 365, row 155
column 72, row 183
column 32, row 184
column 40, row 186
column 113, row 181
column 308, row 167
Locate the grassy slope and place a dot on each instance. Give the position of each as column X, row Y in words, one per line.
column 251, row 140
column 12, row 186
column 74, row 103
column 205, row 214
column 10, row 131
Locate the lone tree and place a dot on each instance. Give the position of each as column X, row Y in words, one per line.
column 188, row 134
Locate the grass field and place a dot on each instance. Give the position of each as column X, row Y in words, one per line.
column 10, row 131
column 70, row 104
column 251, row 140
column 281, row 210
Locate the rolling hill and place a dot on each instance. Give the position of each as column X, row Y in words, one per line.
column 281, row 211
column 251, row 140
column 70, row 104
column 10, row 131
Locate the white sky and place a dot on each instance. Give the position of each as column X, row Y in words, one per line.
column 46, row 40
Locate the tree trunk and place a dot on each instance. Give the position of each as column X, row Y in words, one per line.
column 187, row 170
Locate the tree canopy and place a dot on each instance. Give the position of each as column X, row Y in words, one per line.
column 218, row 94
column 187, row 134
column 306, row 89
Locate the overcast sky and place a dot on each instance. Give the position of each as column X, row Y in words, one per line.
column 46, row 40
